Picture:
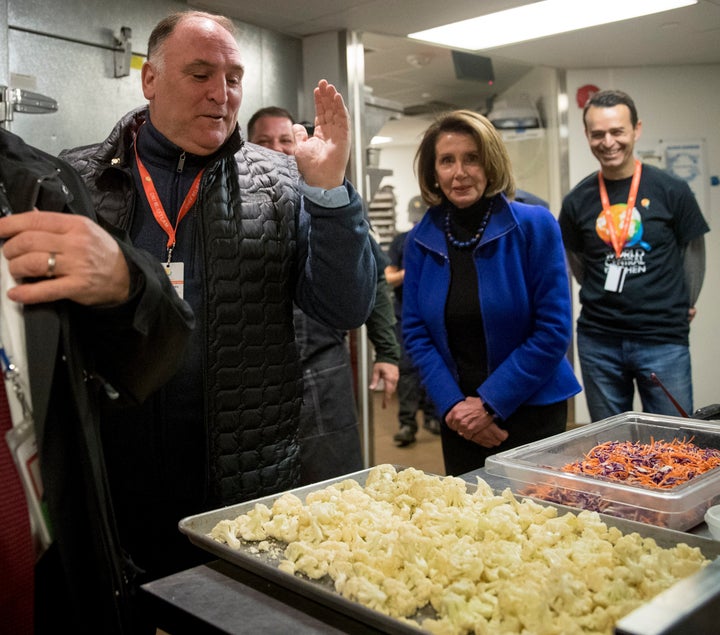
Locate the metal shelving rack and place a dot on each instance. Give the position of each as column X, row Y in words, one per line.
column 381, row 212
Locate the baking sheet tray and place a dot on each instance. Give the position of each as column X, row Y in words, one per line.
column 266, row 564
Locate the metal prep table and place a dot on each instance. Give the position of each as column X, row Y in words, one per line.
column 220, row 597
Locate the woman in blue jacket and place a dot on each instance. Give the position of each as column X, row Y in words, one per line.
column 486, row 300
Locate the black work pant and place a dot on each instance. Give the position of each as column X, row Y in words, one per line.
column 412, row 397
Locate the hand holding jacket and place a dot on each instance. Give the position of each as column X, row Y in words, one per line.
column 88, row 266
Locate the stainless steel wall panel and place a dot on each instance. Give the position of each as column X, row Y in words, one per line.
column 90, row 100
column 282, row 70
column 94, row 21
column 3, row 41
column 48, row 46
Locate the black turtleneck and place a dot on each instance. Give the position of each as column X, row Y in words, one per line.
column 463, row 314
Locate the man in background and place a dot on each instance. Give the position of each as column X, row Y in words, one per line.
column 243, row 234
column 412, row 398
column 329, row 437
column 634, row 237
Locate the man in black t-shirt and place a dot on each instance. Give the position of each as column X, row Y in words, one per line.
column 634, row 240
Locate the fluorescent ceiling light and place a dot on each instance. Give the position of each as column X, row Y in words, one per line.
column 378, row 140
column 540, row 19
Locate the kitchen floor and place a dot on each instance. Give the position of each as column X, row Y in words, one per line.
column 425, row 454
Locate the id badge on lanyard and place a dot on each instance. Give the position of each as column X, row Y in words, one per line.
column 616, row 273
column 23, row 448
column 176, row 273
column 174, row 270
column 615, row 279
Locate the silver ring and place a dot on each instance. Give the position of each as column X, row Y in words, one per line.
column 51, row 265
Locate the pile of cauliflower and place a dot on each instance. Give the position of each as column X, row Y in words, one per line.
column 485, row 563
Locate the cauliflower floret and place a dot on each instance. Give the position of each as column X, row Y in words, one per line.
column 224, row 531
column 365, row 591
column 402, row 601
column 311, row 560
column 250, row 526
column 465, row 610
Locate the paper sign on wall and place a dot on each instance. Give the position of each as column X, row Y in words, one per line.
column 686, row 160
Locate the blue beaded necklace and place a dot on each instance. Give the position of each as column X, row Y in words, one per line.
column 468, row 244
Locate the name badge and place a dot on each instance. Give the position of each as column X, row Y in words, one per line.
column 23, row 447
column 176, row 273
column 615, row 279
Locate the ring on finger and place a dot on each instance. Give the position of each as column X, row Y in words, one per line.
column 51, row 262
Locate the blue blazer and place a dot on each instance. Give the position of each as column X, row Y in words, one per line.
column 525, row 301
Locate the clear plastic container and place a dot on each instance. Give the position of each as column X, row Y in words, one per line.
column 712, row 518
column 534, row 470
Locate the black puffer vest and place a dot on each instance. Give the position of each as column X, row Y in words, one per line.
column 252, row 377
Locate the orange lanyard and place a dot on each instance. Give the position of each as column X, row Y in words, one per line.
column 157, row 207
column 618, row 241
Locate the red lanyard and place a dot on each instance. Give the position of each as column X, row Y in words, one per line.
column 618, row 241
column 157, row 207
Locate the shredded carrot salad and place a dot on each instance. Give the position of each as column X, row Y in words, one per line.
column 658, row 464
